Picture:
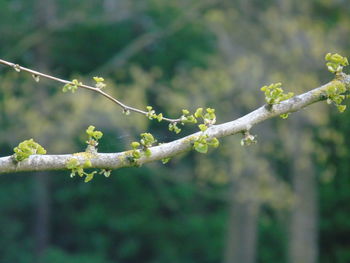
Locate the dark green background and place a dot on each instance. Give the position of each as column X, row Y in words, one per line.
column 190, row 54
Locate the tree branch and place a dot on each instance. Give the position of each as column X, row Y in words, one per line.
column 37, row 74
column 118, row 160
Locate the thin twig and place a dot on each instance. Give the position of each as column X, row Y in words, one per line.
column 119, row 103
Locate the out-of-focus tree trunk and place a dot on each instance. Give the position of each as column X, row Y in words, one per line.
column 303, row 231
column 42, row 215
column 242, row 232
column 45, row 11
column 242, row 235
column 117, row 9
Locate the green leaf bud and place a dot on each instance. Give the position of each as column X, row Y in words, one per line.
column 201, row 147
column 214, row 142
column 165, row 160
column 185, row 112
column 72, row 163
column 135, row 145
column 198, row 113
column 203, row 127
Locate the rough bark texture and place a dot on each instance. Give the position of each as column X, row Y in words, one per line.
column 118, row 160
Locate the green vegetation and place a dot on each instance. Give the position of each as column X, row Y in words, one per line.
column 26, row 149
column 336, row 62
column 73, row 86
column 93, row 136
column 274, row 94
column 169, row 58
column 78, row 168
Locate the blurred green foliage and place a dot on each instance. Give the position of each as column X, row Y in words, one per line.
column 186, row 54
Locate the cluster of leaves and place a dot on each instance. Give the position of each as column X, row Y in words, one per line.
column 336, row 62
column 248, row 139
column 209, row 118
column 202, row 143
column 173, row 127
column 99, row 82
column 335, row 95
column 76, row 167
column 151, row 114
column 72, row 86
column 335, row 92
column 26, row 149
column 186, row 117
column 142, row 147
column 93, row 136
column 274, row 94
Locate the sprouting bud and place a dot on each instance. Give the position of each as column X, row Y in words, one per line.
column 126, row 111
column 36, row 77
column 248, row 139
column 17, row 67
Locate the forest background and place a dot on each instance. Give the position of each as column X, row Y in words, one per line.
column 284, row 199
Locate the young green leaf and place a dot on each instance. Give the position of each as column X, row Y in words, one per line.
column 203, row 127
column 26, row 149
column 89, row 176
column 201, row 147
column 165, row 160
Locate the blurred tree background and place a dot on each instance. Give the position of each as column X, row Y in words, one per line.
column 282, row 200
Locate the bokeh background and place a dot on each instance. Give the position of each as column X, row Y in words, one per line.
column 285, row 199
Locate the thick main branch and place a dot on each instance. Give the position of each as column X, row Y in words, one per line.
column 118, row 160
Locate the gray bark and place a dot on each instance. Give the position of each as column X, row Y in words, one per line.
column 118, row 160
